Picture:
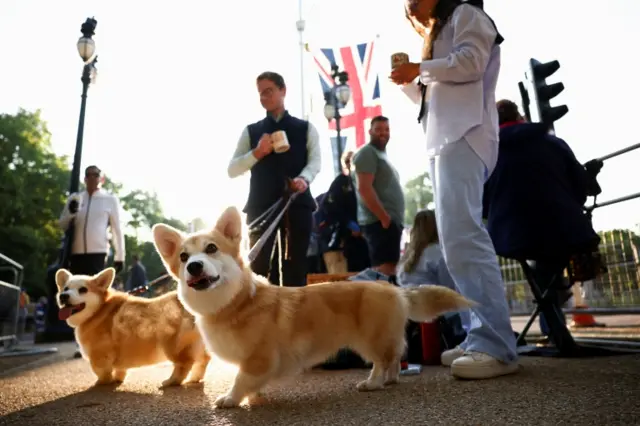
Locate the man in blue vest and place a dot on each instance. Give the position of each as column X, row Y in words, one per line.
column 270, row 173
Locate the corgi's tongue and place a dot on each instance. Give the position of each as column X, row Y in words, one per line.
column 194, row 280
column 65, row 313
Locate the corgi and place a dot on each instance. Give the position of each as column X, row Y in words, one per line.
column 270, row 331
column 117, row 331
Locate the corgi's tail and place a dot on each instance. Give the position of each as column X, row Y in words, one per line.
column 427, row 302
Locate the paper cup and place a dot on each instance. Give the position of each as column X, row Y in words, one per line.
column 398, row 59
column 280, row 142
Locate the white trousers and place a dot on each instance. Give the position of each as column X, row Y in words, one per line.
column 458, row 177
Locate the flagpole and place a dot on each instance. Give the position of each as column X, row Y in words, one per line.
column 300, row 24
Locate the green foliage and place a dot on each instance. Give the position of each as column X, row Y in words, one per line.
column 33, row 190
column 31, row 198
column 418, row 193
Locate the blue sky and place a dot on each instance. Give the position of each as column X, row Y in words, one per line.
column 176, row 83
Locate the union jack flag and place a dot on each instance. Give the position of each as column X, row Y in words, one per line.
column 365, row 100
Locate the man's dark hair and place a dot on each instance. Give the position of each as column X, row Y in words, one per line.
column 96, row 168
column 378, row 119
column 508, row 111
column 135, row 257
column 273, row 77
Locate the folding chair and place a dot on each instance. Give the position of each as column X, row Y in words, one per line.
column 581, row 267
column 545, row 302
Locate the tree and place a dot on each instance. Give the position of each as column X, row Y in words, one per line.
column 418, row 193
column 32, row 195
column 33, row 191
column 145, row 210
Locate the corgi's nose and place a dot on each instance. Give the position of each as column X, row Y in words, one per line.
column 195, row 268
column 64, row 298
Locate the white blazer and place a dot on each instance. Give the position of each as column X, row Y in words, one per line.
column 461, row 80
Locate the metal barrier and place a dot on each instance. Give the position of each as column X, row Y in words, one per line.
column 10, row 302
column 615, row 292
column 11, row 327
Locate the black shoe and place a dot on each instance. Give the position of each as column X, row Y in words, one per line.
column 77, row 354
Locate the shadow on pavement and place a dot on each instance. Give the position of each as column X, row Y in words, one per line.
column 109, row 405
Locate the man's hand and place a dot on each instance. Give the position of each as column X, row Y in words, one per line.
column 299, row 184
column 73, row 206
column 264, row 148
column 405, row 73
column 118, row 265
column 386, row 221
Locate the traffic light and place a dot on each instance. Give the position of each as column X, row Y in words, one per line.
column 542, row 92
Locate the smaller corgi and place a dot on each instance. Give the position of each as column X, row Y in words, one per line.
column 117, row 331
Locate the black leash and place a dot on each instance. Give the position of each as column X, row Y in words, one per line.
column 253, row 253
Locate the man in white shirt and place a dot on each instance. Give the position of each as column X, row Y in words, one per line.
column 93, row 210
column 270, row 173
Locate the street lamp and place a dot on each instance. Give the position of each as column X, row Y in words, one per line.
column 336, row 98
column 87, row 49
column 56, row 329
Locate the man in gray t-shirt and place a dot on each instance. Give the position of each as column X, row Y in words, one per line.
column 380, row 199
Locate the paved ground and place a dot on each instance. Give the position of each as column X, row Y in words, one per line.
column 58, row 391
column 547, row 391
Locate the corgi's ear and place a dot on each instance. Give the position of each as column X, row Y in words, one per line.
column 168, row 241
column 229, row 224
column 62, row 277
column 104, row 278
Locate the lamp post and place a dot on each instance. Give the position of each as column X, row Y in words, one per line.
column 336, row 98
column 56, row 329
column 86, row 49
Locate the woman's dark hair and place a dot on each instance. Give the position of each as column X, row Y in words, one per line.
column 440, row 16
column 508, row 111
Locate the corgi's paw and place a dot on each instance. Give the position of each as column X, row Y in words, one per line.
column 105, row 381
column 193, row 382
column 170, row 382
column 366, row 386
column 391, row 380
column 226, row 401
column 119, row 376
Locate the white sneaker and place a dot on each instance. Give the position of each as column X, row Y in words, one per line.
column 478, row 365
column 451, row 355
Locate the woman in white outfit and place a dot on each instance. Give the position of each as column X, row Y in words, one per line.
column 454, row 86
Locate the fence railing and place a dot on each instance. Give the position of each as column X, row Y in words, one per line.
column 615, row 292
column 618, row 288
column 10, row 289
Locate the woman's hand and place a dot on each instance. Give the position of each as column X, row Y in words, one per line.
column 405, row 73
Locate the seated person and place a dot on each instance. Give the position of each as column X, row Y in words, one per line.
column 423, row 262
column 534, row 200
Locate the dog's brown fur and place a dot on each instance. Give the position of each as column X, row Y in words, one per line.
column 117, row 331
column 270, row 331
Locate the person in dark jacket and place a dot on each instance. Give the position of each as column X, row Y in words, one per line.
column 534, row 200
column 137, row 275
column 346, row 249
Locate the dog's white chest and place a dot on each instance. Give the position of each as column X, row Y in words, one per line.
column 221, row 342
